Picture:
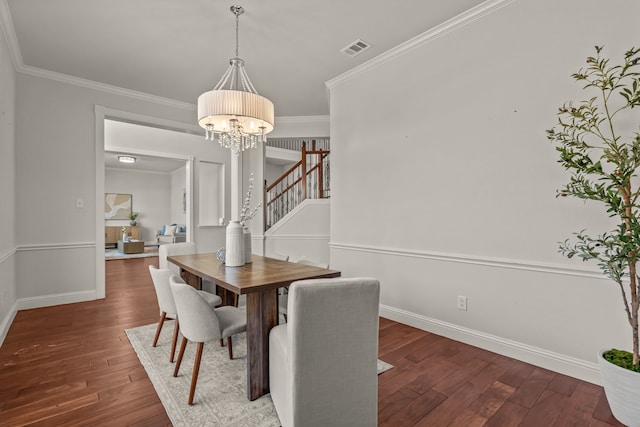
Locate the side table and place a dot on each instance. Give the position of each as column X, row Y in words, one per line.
column 131, row 247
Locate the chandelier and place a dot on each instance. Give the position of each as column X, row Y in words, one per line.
column 234, row 112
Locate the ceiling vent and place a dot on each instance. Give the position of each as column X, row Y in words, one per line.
column 356, row 48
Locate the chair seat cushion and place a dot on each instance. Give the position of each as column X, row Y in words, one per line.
column 212, row 299
column 232, row 320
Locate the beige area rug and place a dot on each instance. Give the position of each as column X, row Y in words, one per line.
column 221, row 392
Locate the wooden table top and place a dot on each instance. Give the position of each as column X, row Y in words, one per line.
column 262, row 273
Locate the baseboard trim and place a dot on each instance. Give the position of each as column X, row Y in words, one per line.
column 55, row 299
column 7, row 321
column 573, row 367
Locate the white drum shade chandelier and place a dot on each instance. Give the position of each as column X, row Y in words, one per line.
column 234, row 112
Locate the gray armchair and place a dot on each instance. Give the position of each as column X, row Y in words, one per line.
column 323, row 362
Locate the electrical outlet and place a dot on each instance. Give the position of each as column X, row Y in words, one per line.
column 462, row 303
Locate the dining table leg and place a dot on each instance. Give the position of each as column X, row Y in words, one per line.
column 262, row 316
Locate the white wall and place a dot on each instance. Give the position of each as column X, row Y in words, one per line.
column 454, row 194
column 169, row 143
column 302, row 126
column 7, row 189
column 178, row 186
column 302, row 233
column 151, row 198
column 55, row 165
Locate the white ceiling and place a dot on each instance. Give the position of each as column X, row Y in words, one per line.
column 178, row 49
column 143, row 162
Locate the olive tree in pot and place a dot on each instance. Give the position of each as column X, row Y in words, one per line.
column 599, row 144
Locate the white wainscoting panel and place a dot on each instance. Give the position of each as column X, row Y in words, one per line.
column 551, row 316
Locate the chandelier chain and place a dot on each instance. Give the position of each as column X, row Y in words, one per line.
column 237, row 13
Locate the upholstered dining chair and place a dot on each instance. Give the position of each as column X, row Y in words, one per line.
column 164, row 251
column 184, row 248
column 323, row 362
column 282, row 292
column 200, row 323
column 160, row 278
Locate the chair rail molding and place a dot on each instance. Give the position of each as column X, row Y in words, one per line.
column 55, row 246
column 297, row 237
column 5, row 256
column 473, row 259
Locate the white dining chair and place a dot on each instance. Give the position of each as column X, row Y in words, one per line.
column 283, row 292
column 160, row 278
column 184, row 248
column 200, row 323
column 314, row 383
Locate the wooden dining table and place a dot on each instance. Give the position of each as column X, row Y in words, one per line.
column 259, row 281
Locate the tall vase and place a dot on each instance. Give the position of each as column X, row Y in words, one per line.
column 234, row 256
column 247, row 245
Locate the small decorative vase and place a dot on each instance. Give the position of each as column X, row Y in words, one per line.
column 220, row 254
column 124, row 237
column 132, row 223
column 247, row 245
column 234, row 256
column 622, row 388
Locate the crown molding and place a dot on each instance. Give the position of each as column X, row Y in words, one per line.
column 103, row 87
column 6, row 24
column 459, row 21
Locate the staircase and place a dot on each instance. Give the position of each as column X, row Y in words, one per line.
column 307, row 179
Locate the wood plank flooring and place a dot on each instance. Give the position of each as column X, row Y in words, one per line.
column 73, row 365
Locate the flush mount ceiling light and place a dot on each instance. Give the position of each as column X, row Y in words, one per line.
column 233, row 112
column 126, row 159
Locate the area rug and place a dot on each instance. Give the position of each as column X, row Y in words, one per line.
column 111, row 254
column 221, row 392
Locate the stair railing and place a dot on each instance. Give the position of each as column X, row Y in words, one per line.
column 307, row 179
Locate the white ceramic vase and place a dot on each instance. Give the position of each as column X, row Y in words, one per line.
column 622, row 388
column 234, row 256
column 247, row 245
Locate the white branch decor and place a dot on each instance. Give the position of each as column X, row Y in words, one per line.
column 247, row 214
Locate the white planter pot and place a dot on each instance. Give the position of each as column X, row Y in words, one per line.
column 622, row 388
column 247, row 246
column 235, row 245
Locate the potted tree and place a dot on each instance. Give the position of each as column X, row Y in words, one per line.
column 599, row 144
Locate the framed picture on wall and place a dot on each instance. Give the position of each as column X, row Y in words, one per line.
column 117, row 206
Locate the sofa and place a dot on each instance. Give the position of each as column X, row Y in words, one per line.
column 172, row 233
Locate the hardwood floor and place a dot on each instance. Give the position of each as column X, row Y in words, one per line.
column 73, row 365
